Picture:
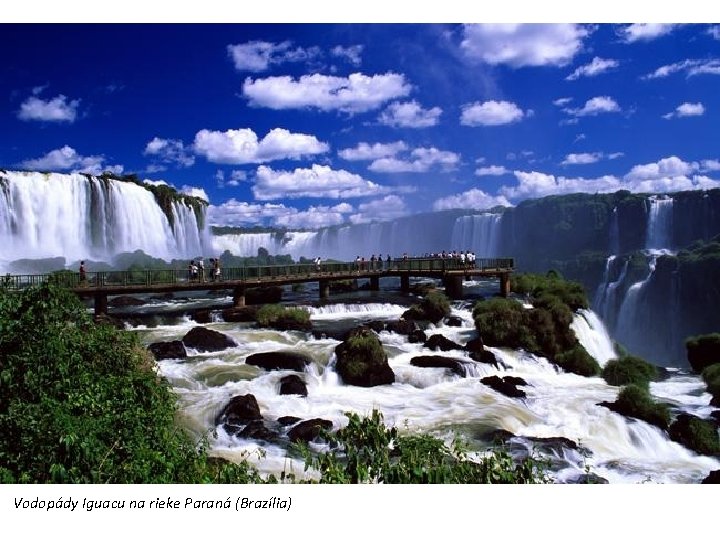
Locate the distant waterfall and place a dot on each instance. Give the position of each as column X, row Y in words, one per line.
column 80, row 217
column 614, row 232
column 659, row 224
column 629, row 326
column 592, row 335
column 479, row 233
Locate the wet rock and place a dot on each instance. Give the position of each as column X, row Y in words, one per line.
column 168, row 349
column 417, row 336
column 376, row 326
column 438, row 341
column 712, row 478
column 403, row 327
column 202, row 316
column 506, row 387
column 240, row 410
column 264, row 295
column 309, row 430
column 475, row 345
column 361, row 360
column 257, row 429
column 243, row 314
column 553, row 444
column 453, row 321
column 125, row 301
column 288, row 420
column 485, row 357
column 206, row 340
column 453, row 364
column 292, row 384
column 278, row 360
column 588, row 478
column 499, row 436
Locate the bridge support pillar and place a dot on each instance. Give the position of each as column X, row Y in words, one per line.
column 504, row 284
column 101, row 304
column 405, row 283
column 324, row 285
column 374, row 283
column 453, row 286
column 239, row 296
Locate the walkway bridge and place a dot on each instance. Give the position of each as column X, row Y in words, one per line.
column 100, row 285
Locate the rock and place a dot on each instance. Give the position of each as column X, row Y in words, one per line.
column 264, row 295
column 588, row 478
column 438, row 341
column 361, row 360
column 206, row 340
column 202, row 316
column 376, row 326
column 288, row 420
column 453, row 364
column 485, row 357
column 417, row 336
column 475, row 345
column 716, row 416
column 168, row 349
column 553, row 444
column 257, row 429
column 517, row 381
column 309, row 429
column 453, row 321
column 240, row 410
column 242, row 314
column 715, row 401
column 292, row 384
column 696, row 434
column 104, row 318
column 703, row 351
column 403, row 327
column 712, row 478
column 273, row 360
column 499, row 436
column 286, row 323
column 503, row 386
column 125, row 301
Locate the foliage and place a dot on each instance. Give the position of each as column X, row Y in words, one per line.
column 80, row 402
column 366, row 451
column 281, row 317
column 711, row 376
column 552, row 284
column 578, row 360
column 629, row 370
column 503, row 322
column 435, row 306
column 637, row 402
column 703, row 351
column 696, row 434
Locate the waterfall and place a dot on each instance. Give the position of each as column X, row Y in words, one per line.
column 80, row 217
column 628, row 324
column 479, row 233
column 593, row 335
column 659, row 224
column 614, row 232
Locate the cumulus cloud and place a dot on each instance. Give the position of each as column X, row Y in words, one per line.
column 234, row 212
column 520, row 45
column 195, row 192
column 389, row 207
column 561, row 102
column 474, row 199
column 644, row 31
column 594, row 68
column 57, row 109
column 667, row 167
column 490, row 113
column 582, row 158
column 170, row 151
column 353, row 94
column 352, row 54
column 710, row 165
column 686, row 109
column 595, row 106
column 420, row 160
column 365, row 151
column 257, row 56
column 236, row 146
column 492, row 170
column 318, row 181
column 315, row 217
column 410, row 114
column 67, row 159
column 689, row 67
column 714, row 31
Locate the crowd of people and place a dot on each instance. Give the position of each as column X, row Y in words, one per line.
column 465, row 259
column 196, row 270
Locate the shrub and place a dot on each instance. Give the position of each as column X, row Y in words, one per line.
column 696, row 434
column 436, row 306
column 578, row 360
column 570, row 293
column 361, row 360
column 711, row 376
column 637, row 402
column 283, row 318
column 703, row 351
column 629, row 370
column 503, row 323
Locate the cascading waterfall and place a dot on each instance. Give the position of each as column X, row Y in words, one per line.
column 593, row 335
column 80, row 217
column 479, row 233
column 659, row 228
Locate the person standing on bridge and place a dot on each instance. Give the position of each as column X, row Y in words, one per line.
column 216, row 269
column 201, row 268
column 83, row 276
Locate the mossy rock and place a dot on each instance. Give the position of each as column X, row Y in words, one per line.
column 636, row 402
column 696, row 434
column 703, row 351
column 578, row 361
column 629, row 370
column 361, row 360
column 711, row 376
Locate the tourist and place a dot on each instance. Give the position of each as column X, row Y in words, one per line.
column 388, row 262
column 193, row 271
column 372, row 262
column 357, row 263
column 201, row 268
column 83, row 277
column 216, row 269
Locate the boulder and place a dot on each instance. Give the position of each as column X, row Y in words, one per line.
column 475, row 345
column 403, row 326
column 292, row 384
column 240, row 410
column 703, row 351
column 553, row 444
column 264, row 295
column 202, row 316
column 168, row 349
column 309, row 430
column 242, row 314
column 125, row 301
column 276, row 360
column 206, row 340
column 503, row 386
column 361, row 360
column 485, row 357
column 712, row 478
column 257, row 429
column 588, row 478
column 696, row 434
column 438, row 341
column 376, row 326
column 453, row 321
column 417, row 336
column 453, row 364
column 288, row 420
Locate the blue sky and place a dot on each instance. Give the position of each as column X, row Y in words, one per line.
column 309, row 125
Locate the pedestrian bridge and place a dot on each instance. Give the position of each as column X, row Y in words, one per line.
column 100, row 285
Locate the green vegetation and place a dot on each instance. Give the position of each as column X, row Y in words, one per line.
column 578, row 360
column 637, row 402
column 433, row 307
column 551, row 286
column 366, row 451
column 80, row 402
column 283, row 318
column 629, row 370
column 711, row 376
column 703, row 351
column 696, row 434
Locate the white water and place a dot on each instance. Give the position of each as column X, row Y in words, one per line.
column 72, row 216
column 341, row 311
column 593, row 335
column 659, row 227
column 479, row 233
column 434, row 400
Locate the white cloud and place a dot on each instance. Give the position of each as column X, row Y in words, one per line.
column 710, row 165
column 686, row 109
column 644, row 31
column 170, row 151
column 355, row 93
column 410, row 114
column 537, row 184
column 420, row 160
column 315, row 217
column 389, row 207
column 490, row 113
column 615, row 155
column 233, row 212
column 318, row 181
column 352, row 53
column 258, row 56
column 67, row 159
column 492, row 170
column 584, row 158
column 580, row 137
column 595, row 106
column 520, row 45
column 238, row 146
column 594, row 68
column 195, row 192
column 714, row 31
column 561, row 102
column 690, row 67
column 57, row 109
column 474, row 199
column 667, row 167
column 365, row 151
